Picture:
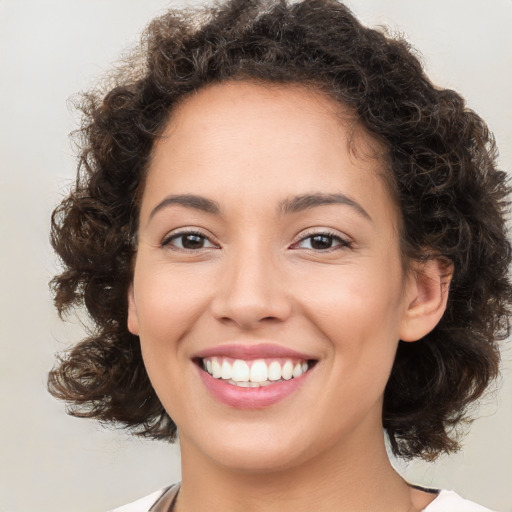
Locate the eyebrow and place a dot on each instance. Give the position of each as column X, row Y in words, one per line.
column 189, row 201
column 307, row 201
column 292, row 205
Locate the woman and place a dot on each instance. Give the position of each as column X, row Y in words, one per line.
column 288, row 240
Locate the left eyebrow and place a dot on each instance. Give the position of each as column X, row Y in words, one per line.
column 307, row 201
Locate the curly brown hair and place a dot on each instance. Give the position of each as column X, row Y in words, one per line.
column 440, row 154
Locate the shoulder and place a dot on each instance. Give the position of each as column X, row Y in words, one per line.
column 449, row 501
column 146, row 503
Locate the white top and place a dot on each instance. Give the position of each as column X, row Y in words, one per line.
column 446, row 501
column 449, row 501
column 142, row 504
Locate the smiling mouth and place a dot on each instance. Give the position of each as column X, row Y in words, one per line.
column 254, row 373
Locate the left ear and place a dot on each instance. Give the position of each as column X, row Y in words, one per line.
column 427, row 288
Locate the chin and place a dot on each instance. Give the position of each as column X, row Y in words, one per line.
column 255, row 450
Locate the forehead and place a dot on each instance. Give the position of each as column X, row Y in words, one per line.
column 262, row 139
column 251, row 94
column 308, row 108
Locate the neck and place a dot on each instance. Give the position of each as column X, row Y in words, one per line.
column 355, row 477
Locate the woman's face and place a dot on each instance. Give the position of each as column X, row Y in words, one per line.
column 269, row 255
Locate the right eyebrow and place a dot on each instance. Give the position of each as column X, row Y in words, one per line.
column 189, row 201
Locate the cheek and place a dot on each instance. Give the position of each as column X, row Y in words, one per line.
column 358, row 313
column 355, row 299
column 168, row 303
column 168, row 299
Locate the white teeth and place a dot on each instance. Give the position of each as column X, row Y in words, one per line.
column 287, row 371
column 226, row 370
column 240, row 371
column 297, row 371
column 259, row 372
column 216, row 369
column 249, row 384
column 243, row 384
column 253, row 374
column 274, row 371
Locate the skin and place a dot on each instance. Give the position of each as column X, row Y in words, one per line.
column 257, row 279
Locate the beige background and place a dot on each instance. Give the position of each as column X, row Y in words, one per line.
column 50, row 49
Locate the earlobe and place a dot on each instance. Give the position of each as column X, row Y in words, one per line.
column 132, row 321
column 426, row 297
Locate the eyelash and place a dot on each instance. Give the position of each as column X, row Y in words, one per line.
column 167, row 241
column 342, row 242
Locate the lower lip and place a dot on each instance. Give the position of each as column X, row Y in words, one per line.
column 251, row 398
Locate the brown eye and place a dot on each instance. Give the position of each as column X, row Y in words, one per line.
column 188, row 241
column 192, row 241
column 322, row 242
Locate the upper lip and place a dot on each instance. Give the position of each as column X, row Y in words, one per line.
column 260, row 351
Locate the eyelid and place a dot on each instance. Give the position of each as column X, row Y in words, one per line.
column 178, row 232
column 345, row 241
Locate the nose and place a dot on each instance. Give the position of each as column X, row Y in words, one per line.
column 251, row 292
